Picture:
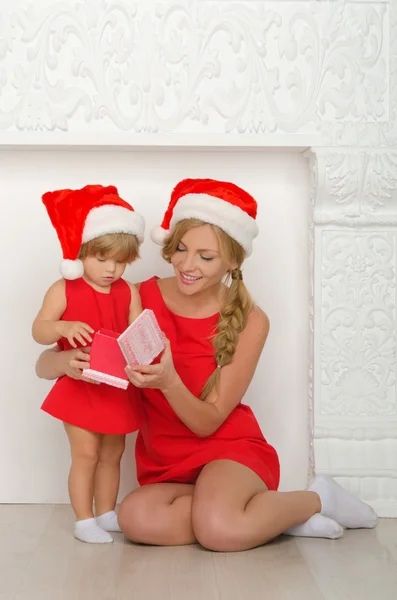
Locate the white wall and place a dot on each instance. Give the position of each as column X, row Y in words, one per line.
column 34, row 458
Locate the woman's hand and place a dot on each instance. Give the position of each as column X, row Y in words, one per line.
column 160, row 376
column 73, row 362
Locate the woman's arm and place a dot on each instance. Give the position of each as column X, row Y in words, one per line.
column 205, row 417
column 47, row 365
column 53, row 363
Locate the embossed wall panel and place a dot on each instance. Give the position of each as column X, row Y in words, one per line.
column 196, row 67
column 355, row 403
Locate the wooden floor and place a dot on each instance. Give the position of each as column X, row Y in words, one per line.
column 40, row 560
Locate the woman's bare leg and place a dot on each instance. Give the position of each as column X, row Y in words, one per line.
column 161, row 513
column 158, row 514
column 230, row 509
column 233, row 510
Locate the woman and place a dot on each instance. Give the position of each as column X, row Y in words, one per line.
column 206, row 471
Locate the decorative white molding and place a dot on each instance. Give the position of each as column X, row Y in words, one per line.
column 356, row 186
column 188, row 67
column 311, row 294
column 355, row 394
column 354, row 432
column 164, row 141
column 358, row 318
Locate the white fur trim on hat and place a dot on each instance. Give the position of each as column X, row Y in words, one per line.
column 71, row 269
column 158, row 235
column 230, row 218
column 110, row 218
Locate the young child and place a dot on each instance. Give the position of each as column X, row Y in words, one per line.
column 100, row 234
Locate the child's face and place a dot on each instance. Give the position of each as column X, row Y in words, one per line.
column 103, row 270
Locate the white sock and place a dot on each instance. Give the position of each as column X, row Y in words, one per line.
column 108, row 521
column 317, row 526
column 338, row 504
column 89, row 531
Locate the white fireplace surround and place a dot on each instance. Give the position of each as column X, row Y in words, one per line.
column 310, row 86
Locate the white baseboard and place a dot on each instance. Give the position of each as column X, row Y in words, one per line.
column 384, row 508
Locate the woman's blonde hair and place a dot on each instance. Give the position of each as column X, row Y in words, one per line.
column 236, row 301
column 120, row 246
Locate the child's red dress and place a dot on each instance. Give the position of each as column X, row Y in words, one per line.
column 100, row 408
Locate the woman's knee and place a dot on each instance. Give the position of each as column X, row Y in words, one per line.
column 216, row 528
column 159, row 515
column 133, row 516
column 141, row 516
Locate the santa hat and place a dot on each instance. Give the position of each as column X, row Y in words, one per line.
column 216, row 202
column 80, row 216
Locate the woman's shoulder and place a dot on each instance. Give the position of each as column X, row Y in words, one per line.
column 164, row 283
column 257, row 322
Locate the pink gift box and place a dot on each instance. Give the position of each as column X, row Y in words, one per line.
column 110, row 352
column 143, row 341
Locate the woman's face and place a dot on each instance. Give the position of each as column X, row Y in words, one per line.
column 197, row 262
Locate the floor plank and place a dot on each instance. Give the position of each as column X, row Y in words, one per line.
column 167, row 573
column 21, row 528
column 274, row 571
column 355, row 567
column 41, row 560
column 386, row 535
column 62, row 568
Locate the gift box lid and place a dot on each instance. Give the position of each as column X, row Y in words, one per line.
column 106, row 356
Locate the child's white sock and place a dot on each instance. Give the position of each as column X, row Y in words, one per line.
column 338, row 504
column 317, row 526
column 89, row 531
column 108, row 521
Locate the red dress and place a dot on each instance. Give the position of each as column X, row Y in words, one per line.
column 100, row 408
column 166, row 450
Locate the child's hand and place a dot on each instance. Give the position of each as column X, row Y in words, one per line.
column 75, row 330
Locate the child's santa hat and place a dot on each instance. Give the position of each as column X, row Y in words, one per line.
column 80, row 216
column 216, row 202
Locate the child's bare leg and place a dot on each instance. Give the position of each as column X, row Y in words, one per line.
column 84, row 446
column 107, row 481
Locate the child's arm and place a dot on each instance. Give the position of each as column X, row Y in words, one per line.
column 136, row 305
column 47, row 327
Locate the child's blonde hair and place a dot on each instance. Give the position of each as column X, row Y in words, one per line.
column 237, row 302
column 123, row 247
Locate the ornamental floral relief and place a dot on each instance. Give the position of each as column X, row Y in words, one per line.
column 356, row 186
column 193, row 66
column 358, row 337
